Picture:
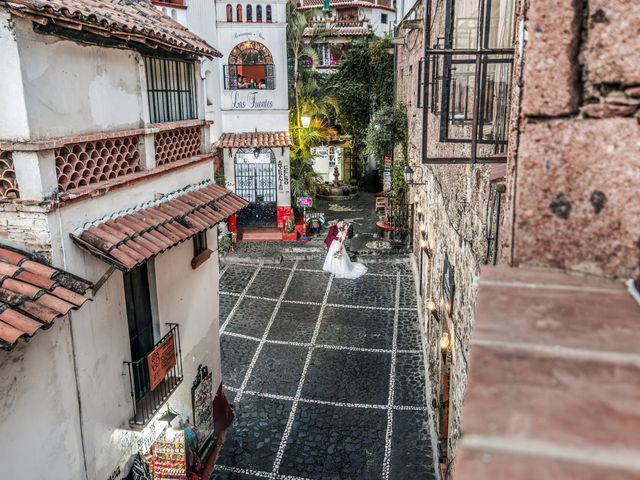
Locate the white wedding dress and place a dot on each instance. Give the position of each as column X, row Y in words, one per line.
column 342, row 267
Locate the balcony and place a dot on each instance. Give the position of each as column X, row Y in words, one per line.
column 84, row 165
column 154, row 377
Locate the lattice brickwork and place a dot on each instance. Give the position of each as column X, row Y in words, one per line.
column 8, row 182
column 82, row 164
column 174, row 145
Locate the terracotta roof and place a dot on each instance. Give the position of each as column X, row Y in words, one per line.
column 255, row 139
column 124, row 20
column 130, row 238
column 315, row 4
column 339, row 30
column 33, row 295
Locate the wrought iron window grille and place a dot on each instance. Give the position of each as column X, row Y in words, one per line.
column 171, row 89
column 469, row 88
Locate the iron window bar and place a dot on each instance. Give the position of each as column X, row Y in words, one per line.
column 146, row 402
column 480, row 56
column 170, row 89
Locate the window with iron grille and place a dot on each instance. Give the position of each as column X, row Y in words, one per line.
column 250, row 67
column 171, row 89
column 470, row 73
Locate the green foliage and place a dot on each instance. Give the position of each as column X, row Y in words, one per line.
column 224, row 243
column 363, row 84
column 290, row 225
column 303, row 178
column 387, row 129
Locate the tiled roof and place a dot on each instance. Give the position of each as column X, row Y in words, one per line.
column 315, row 4
column 124, row 20
column 33, row 295
column 130, row 238
column 337, row 29
column 255, row 139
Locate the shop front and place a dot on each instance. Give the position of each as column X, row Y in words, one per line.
column 257, row 169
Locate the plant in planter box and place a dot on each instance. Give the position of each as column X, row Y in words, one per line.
column 290, row 225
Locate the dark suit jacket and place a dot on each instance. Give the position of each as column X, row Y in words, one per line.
column 332, row 235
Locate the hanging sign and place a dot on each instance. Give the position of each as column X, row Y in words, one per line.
column 305, row 202
column 161, row 360
column 386, row 175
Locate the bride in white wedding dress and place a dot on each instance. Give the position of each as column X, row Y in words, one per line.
column 339, row 263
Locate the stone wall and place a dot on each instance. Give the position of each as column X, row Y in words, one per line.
column 25, row 224
column 574, row 154
column 453, row 206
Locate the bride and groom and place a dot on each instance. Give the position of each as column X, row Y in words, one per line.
column 337, row 260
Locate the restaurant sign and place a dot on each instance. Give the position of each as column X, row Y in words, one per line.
column 305, row 202
column 161, row 360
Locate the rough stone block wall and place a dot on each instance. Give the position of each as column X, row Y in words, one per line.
column 574, row 148
column 454, row 207
column 26, row 225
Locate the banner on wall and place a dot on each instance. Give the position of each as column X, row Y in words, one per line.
column 161, row 360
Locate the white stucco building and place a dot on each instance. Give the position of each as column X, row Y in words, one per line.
column 247, row 99
column 106, row 172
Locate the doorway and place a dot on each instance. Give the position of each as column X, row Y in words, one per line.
column 256, row 182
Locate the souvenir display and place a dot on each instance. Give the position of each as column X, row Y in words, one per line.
column 169, row 456
column 202, row 398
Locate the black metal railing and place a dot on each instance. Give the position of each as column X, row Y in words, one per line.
column 147, row 401
column 400, row 218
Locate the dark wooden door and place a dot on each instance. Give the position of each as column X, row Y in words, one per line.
column 140, row 319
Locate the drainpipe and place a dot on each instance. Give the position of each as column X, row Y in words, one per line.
column 75, row 359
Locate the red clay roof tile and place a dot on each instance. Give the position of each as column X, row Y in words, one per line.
column 140, row 234
column 255, row 139
column 125, row 21
column 33, row 295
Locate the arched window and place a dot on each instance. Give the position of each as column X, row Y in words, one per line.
column 259, row 13
column 250, row 66
column 239, row 13
column 268, row 13
column 229, row 13
column 249, row 14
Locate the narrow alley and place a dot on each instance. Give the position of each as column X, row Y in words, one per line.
column 322, row 372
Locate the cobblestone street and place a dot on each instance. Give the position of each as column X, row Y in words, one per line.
column 326, row 375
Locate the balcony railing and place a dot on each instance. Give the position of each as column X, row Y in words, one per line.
column 148, row 390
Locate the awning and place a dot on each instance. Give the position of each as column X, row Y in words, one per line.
column 255, row 139
column 130, row 238
column 33, row 295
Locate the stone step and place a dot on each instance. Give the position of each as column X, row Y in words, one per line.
column 554, row 379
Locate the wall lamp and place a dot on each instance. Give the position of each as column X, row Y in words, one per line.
column 414, row 176
column 433, row 309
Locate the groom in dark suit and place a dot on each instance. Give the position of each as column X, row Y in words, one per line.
column 332, row 234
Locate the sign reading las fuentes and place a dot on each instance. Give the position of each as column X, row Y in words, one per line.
column 244, row 100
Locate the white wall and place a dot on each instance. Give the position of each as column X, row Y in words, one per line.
column 15, row 126
column 100, row 327
column 202, row 20
column 39, row 424
column 92, row 88
column 248, row 110
column 374, row 16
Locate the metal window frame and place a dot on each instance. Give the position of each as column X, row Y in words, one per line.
column 231, row 76
column 170, row 91
column 479, row 54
